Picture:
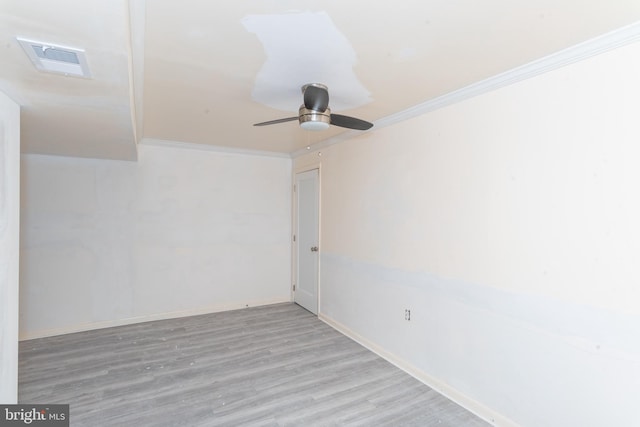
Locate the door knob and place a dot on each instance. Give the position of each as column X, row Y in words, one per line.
column 314, row 249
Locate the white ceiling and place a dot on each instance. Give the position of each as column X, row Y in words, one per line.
column 202, row 72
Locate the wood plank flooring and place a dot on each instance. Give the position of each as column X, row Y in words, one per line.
column 275, row 365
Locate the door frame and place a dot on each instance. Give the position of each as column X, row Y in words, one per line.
column 294, row 227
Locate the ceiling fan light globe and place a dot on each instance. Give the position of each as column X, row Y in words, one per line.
column 314, row 120
column 315, row 126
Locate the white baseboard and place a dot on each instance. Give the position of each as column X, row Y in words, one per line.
column 447, row 391
column 29, row 335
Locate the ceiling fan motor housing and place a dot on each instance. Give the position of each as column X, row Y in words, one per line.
column 314, row 120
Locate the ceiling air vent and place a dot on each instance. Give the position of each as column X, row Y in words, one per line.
column 51, row 58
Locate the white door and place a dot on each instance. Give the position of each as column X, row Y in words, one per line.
column 307, row 248
column 9, row 246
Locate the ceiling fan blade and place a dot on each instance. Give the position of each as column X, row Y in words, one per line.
column 273, row 122
column 316, row 98
column 349, row 122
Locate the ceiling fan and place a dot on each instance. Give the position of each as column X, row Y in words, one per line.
column 315, row 114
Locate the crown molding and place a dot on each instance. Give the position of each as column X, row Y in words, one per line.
column 207, row 147
column 592, row 47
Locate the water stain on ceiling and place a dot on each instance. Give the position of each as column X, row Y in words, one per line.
column 301, row 48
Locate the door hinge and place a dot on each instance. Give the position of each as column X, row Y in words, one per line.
column 294, row 188
column 294, row 237
column 294, row 287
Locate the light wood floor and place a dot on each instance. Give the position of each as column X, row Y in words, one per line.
column 276, row 365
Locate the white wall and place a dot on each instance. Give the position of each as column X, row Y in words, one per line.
column 9, row 246
column 179, row 232
column 509, row 225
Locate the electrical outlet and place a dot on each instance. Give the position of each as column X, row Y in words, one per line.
column 407, row 315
